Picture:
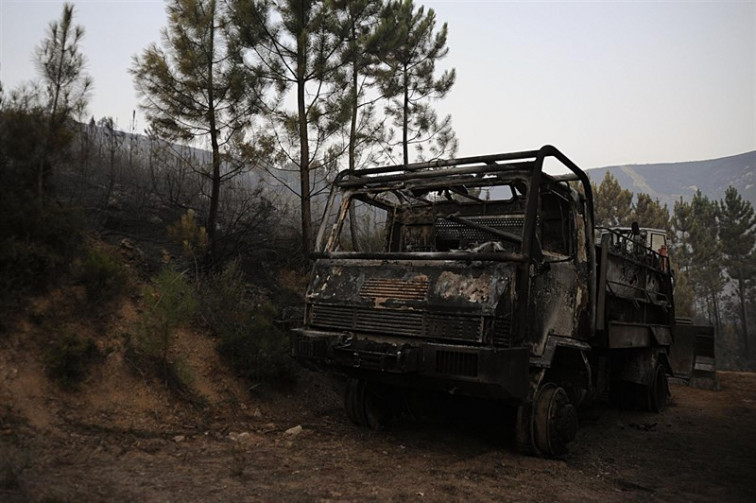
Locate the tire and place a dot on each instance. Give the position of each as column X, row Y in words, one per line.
column 354, row 401
column 657, row 393
column 367, row 404
column 554, row 421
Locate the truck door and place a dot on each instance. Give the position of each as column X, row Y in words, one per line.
column 560, row 291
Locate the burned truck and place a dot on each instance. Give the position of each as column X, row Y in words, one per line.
column 486, row 277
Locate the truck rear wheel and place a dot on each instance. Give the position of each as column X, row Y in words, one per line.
column 657, row 392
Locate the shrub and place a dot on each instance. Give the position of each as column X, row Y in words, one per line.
column 258, row 350
column 37, row 244
column 172, row 302
column 68, row 359
column 103, row 275
column 222, row 299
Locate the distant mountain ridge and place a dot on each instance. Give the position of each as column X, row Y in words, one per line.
column 670, row 181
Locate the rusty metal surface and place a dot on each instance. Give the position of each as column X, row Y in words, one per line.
column 412, row 299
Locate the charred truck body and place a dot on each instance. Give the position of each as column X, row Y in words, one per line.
column 484, row 277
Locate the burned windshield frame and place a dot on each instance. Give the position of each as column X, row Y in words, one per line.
column 472, row 207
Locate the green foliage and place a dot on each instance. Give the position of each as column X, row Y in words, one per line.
column 67, row 87
column 650, row 213
column 37, row 244
column 38, row 236
column 297, row 45
column 196, row 87
column 737, row 231
column 682, row 223
column 192, row 237
column 61, row 65
column 257, row 349
column 410, row 48
column 171, row 303
column 68, row 359
column 613, row 204
column 360, row 23
column 222, row 303
column 103, row 276
column 249, row 339
column 684, row 295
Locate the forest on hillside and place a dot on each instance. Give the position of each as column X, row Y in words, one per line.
column 713, row 255
column 296, row 90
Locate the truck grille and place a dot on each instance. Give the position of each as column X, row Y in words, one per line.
column 456, row 363
column 400, row 289
column 502, row 333
column 398, row 322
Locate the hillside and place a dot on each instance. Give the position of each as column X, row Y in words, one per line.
column 670, row 181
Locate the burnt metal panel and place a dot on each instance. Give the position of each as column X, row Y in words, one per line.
column 629, row 335
column 693, row 347
column 662, row 335
column 397, row 322
column 397, row 288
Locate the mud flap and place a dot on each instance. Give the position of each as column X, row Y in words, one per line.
column 692, row 354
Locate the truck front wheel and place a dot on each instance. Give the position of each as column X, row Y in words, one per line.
column 555, row 421
column 367, row 404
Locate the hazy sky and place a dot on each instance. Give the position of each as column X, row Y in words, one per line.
column 606, row 82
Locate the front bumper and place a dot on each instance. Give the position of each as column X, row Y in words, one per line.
column 488, row 372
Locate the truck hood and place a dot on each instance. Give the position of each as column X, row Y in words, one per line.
column 437, row 286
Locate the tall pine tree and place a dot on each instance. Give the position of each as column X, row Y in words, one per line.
column 193, row 88
column 737, row 231
column 650, row 213
column 613, row 204
column 706, row 255
column 298, row 44
column 411, row 48
column 67, row 87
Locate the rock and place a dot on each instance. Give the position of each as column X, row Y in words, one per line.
column 296, row 430
column 179, row 438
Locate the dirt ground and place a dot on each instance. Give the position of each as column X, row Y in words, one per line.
column 300, row 447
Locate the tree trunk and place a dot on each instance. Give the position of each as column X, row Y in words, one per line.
column 743, row 316
column 212, row 218
column 405, row 119
column 352, row 153
column 304, row 147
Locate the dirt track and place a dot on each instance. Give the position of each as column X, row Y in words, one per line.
column 703, row 448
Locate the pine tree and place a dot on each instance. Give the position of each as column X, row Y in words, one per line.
column 357, row 76
column 682, row 222
column 613, row 204
column 193, row 88
column 706, row 254
column 737, row 231
column 412, row 47
column 67, row 87
column 650, row 213
column 298, row 44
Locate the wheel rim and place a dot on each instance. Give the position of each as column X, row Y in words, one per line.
column 555, row 422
